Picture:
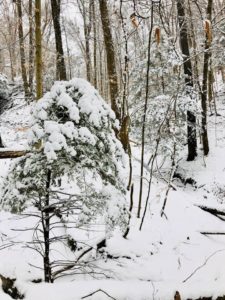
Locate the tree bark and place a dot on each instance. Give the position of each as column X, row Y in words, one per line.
column 191, row 118
column 60, row 61
column 111, row 60
column 38, row 54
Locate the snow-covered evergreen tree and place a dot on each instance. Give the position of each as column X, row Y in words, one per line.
column 78, row 169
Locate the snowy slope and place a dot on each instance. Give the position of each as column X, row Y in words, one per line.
column 169, row 254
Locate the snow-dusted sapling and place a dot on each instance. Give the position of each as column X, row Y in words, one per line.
column 75, row 171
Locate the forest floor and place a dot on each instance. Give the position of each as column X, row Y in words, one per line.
column 177, row 252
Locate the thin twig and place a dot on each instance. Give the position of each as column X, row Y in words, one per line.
column 202, row 265
column 99, row 290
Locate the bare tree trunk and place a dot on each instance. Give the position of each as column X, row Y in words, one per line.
column 60, row 61
column 95, row 81
column 110, row 53
column 67, row 50
column 2, row 62
column 87, row 32
column 207, row 55
column 46, row 232
column 11, row 37
column 12, row 62
column 38, row 56
column 124, row 132
column 144, row 117
column 22, row 48
column 210, row 85
column 191, row 118
column 193, row 38
column 101, row 86
column 31, row 47
column 10, row 40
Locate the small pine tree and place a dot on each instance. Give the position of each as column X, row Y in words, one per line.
column 77, row 170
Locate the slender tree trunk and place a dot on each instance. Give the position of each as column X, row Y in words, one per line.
column 10, row 38
column 22, row 48
column 110, row 54
column 130, row 211
column 87, row 32
column 191, row 118
column 46, row 232
column 101, row 77
column 67, row 49
column 95, row 81
column 125, row 127
column 38, row 56
column 193, row 38
column 207, row 56
column 210, row 85
column 31, row 47
column 12, row 62
column 60, row 61
column 144, row 117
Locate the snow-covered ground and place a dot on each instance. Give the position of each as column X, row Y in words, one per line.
column 170, row 253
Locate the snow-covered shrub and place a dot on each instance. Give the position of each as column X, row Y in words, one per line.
column 4, row 91
column 77, row 173
column 168, row 100
column 4, row 88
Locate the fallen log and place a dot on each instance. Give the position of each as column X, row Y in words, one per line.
column 12, row 153
column 177, row 296
column 212, row 233
column 215, row 212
